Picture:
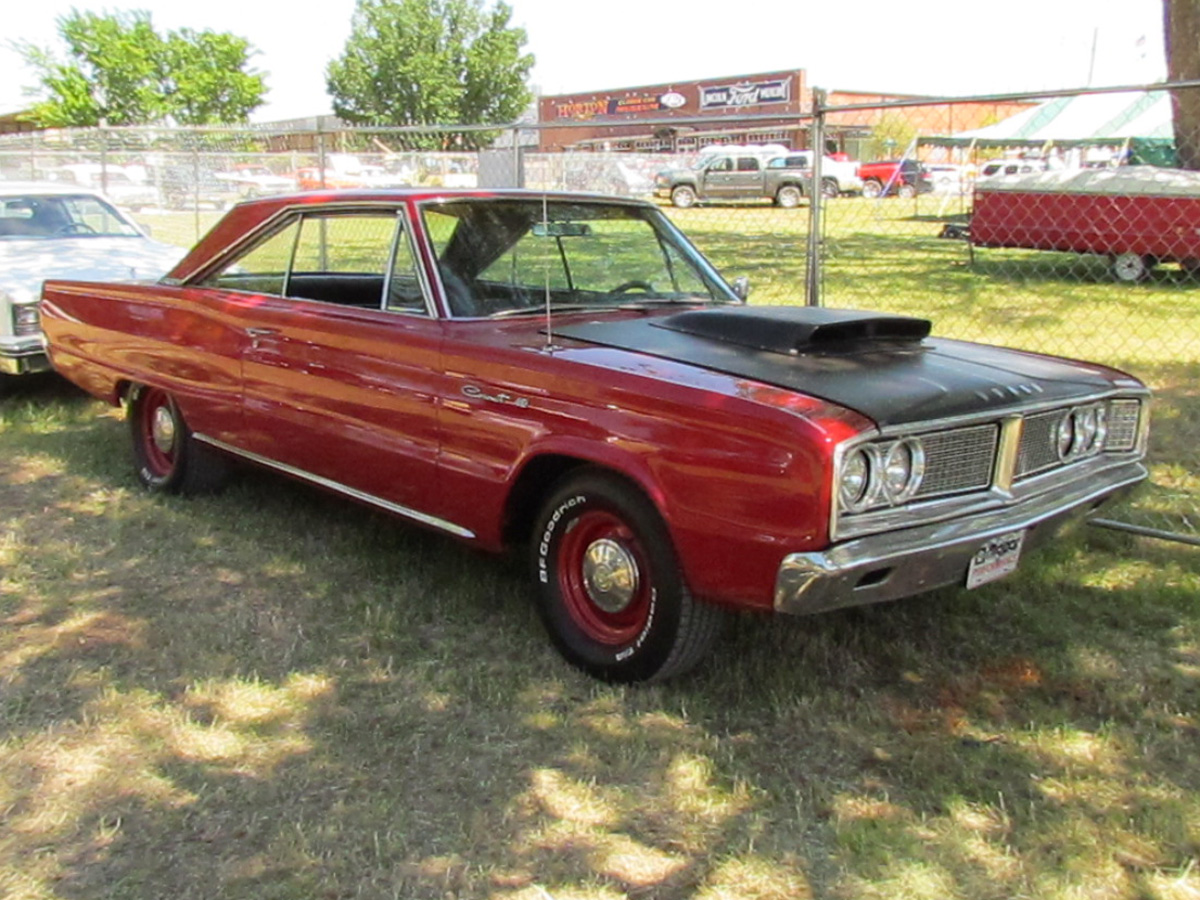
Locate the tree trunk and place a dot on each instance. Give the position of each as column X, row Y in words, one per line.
column 1181, row 30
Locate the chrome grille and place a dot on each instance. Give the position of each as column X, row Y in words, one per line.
column 1123, row 424
column 958, row 460
column 1038, row 449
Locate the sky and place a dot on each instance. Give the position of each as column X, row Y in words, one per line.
column 937, row 47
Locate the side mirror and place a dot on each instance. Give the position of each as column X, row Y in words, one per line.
column 741, row 287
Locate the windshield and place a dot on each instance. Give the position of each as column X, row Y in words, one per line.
column 506, row 256
column 61, row 215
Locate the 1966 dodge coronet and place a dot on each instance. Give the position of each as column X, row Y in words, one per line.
column 567, row 373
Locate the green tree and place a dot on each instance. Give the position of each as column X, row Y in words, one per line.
column 431, row 62
column 119, row 70
column 1181, row 31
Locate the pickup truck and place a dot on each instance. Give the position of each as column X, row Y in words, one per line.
column 837, row 176
column 727, row 176
column 894, row 178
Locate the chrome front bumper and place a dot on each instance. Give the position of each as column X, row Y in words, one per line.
column 898, row 564
column 24, row 360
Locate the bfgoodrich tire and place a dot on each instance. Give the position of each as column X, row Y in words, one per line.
column 609, row 589
column 166, row 458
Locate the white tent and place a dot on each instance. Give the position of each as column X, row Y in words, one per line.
column 1088, row 118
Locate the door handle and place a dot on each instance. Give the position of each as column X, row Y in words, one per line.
column 257, row 334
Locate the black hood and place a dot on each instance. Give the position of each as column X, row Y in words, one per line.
column 882, row 366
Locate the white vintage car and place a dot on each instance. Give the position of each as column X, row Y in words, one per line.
column 61, row 231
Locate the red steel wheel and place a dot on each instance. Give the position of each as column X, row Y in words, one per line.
column 166, row 457
column 600, row 573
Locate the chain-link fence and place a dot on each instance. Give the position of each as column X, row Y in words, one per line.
column 1063, row 229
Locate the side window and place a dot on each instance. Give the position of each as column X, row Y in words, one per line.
column 747, row 164
column 263, row 268
column 341, row 258
column 722, row 165
column 345, row 244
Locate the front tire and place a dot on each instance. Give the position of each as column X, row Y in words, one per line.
column 872, row 189
column 683, row 196
column 609, row 589
column 167, row 458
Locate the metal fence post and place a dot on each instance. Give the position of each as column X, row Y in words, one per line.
column 816, row 141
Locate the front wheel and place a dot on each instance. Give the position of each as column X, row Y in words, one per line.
column 829, row 188
column 609, row 589
column 167, row 458
column 683, row 196
column 906, row 192
column 872, row 189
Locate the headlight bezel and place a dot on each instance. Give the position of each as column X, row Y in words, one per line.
column 26, row 320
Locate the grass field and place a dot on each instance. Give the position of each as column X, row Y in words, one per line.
column 271, row 693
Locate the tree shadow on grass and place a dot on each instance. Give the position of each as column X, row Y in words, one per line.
column 276, row 693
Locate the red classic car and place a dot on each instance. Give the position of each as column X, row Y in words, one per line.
column 568, row 374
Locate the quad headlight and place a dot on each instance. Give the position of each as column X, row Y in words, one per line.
column 1081, row 432
column 887, row 473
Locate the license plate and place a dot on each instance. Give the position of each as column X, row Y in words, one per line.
column 995, row 559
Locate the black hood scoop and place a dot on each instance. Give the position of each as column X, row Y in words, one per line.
column 795, row 329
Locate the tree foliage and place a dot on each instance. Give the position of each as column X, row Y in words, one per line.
column 119, row 70
column 1181, row 30
column 431, row 62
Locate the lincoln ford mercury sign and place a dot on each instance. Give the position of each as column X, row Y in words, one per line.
column 756, row 93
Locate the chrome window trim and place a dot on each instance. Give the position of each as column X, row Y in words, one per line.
column 338, row 487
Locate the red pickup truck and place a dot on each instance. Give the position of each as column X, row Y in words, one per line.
column 894, row 178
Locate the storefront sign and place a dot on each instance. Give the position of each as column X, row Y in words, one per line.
column 746, row 94
column 619, row 106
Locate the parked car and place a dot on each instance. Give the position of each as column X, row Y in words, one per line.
column 56, row 231
column 188, row 187
column 567, row 374
column 256, row 180
column 731, row 175
column 1002, row 168
column 894, row 178
column 111, row 180
column 837, row 176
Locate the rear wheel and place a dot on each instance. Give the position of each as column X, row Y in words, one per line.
column 872, row 188
column 788, row 196
column 683, row 196
column 610, row 592
column 829, row 188
column 167, row 458
column 907, row 191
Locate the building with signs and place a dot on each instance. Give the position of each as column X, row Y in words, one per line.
column 767, row 108
column 754, row 108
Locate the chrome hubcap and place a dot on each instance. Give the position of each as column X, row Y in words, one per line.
column 162, row 430
column 610, row 574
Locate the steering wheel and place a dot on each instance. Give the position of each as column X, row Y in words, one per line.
column 75, row 228
column 630, row 285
